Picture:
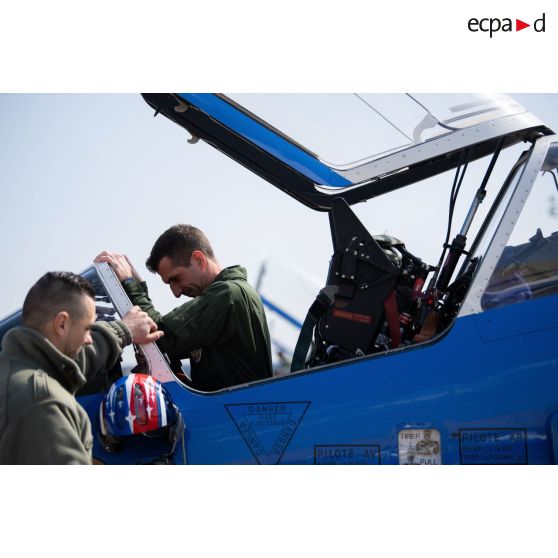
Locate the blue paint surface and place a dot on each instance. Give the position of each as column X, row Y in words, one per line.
column 457, row 384
column 267, row 428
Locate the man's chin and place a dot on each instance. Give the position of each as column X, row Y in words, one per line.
column 74, row 355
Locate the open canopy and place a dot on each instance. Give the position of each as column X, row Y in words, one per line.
column 317, row 147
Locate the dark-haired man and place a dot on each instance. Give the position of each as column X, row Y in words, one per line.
column 223, row 330
column 46, row 360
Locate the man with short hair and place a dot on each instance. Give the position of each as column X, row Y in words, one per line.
column 223, row 330
column 47, row 359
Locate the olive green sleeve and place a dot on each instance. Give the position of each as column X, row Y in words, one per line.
column 194, row 325
column 108, row 341
column 45, row 435
column 200, row 322
column 139, row 296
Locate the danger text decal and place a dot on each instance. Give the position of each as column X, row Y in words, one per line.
column 267, row 428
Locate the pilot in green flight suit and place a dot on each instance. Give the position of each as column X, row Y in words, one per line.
column 223, row 330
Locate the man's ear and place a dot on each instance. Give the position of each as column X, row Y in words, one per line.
column 198, row 258
column 61, row 324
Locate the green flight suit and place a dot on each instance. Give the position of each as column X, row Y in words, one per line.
column 41, row 422
column 223, row 331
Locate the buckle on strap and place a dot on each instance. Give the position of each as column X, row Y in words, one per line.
column 325, row 298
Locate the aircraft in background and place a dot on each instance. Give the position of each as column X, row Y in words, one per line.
column 398, row 360
column 286, row 292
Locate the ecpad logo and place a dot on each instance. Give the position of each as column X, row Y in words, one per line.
column 494, row 24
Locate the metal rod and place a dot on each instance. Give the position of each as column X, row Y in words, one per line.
column 488, row 219
column 481, row 192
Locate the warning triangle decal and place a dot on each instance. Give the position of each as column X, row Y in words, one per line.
column 267, row 428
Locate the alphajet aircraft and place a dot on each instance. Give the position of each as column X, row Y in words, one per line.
column 400, row 360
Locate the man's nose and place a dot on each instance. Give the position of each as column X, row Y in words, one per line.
column 176, row 290
column 88, row 339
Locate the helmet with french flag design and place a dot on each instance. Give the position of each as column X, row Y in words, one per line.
column 138, row 404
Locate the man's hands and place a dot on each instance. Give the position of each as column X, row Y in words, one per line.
column 119, row 263
column 143, row 328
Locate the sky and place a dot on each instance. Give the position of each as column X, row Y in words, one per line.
column 82, row 173
column 85, row 173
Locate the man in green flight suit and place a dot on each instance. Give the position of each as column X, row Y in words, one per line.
column 223, row 330
column 45, row 361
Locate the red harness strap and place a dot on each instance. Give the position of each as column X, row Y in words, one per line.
column 392, row 315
